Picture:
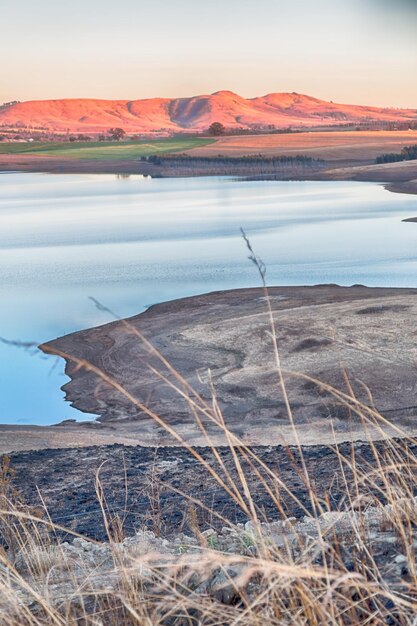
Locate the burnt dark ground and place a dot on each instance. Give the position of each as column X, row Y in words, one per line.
column 149, row 496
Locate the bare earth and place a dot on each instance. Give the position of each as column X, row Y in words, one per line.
column 368, row 332
column 60, row 165
column 399, row 177
column 330, row 146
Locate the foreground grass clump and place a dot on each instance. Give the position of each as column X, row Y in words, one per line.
column 346, row 566
column 352, row 566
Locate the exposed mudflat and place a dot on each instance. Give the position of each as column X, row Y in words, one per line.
column 358, row 340
column 398, row 177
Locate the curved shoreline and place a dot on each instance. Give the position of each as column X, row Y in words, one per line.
column 307, row 318
column 396, row 177
column 318, row 329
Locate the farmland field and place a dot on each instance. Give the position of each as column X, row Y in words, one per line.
column 104, row 149
column 343, row 148
column 346, row 146
column 347, row 155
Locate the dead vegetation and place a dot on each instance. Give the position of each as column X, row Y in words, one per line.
column 336, row 146
column 355, row 565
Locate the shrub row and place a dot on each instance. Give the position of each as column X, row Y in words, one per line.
column 408, row 153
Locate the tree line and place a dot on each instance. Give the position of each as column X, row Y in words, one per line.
column 408, row 153
column 251, row 159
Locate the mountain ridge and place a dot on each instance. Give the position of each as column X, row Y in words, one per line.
column 195, row 113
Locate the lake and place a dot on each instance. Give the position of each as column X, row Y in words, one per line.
column 131, row 242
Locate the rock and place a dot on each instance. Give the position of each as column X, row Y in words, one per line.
column 224, row 587
column 400, row 559
column 65, row 566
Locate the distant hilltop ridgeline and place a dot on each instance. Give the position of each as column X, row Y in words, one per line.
column 194, row 114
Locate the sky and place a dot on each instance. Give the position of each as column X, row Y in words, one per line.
column 349, row 51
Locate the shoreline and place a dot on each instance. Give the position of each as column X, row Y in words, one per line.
column 397, row 178
column 225, row 326
column 17, row 439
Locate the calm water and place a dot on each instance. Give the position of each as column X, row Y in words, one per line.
column 132, row 242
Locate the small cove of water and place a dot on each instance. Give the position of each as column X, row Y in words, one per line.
column 132, row 242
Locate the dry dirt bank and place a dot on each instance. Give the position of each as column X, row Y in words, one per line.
column 220, row 343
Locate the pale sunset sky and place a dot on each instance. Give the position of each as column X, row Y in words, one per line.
column 350, row 51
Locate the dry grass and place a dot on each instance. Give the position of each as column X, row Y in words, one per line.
column 329, row 146
column 327, row 577
column 335, row 573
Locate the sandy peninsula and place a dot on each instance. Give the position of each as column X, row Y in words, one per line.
column 356, row 339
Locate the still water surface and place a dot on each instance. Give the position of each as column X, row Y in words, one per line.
column 131, row 242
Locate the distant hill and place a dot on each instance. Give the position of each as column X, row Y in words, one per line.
column 164, row 115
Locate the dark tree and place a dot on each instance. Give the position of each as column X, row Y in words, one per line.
column 117, row 133
column 409, row 153
column 216, row 129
